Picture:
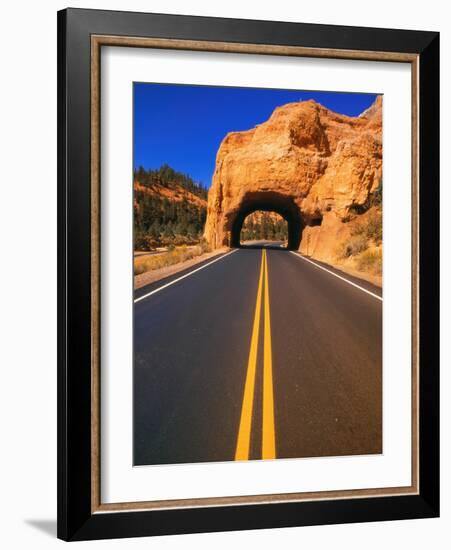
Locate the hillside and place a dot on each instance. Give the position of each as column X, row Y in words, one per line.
column 175, row 193
column 168, row 178
column 169, row 208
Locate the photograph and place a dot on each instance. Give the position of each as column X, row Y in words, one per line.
column 257, row 264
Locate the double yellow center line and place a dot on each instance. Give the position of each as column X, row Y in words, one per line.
column 268, row 430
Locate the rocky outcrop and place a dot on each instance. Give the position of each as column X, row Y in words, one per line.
column 313, row 166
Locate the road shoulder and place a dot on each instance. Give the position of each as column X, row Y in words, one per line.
column 375, row 280
column 156, row 275
column 353, row 277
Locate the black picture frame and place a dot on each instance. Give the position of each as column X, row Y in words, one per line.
column 76, row 521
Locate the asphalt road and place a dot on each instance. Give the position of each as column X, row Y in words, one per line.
column 257, row 354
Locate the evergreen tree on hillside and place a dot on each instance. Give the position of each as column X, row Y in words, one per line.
column 169, row 178
column 264, row 227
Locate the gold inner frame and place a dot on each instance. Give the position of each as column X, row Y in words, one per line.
column 97, row 41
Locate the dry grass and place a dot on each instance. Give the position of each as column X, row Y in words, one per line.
column 362, row 250
column 371, row 228
column 175, row 256
column 370, row 261
column 352, row 247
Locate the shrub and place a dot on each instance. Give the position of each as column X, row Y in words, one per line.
column 374, row 227
column 144, row 241
column 205, row 247
column 355, row 245
column 370, row 260
column 376, row 198
column 371, row 227
column 358, row 229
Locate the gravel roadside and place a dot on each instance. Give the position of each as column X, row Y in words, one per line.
column 157, row 274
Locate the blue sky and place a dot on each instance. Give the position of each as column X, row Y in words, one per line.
column 183, row 125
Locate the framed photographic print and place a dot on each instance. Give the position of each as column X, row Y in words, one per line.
column 248, row 274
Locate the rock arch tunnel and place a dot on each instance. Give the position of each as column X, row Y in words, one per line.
column 268, row 201
column 308, row 164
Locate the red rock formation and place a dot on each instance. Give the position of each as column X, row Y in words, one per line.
column 305, row 162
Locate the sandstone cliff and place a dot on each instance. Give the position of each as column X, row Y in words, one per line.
column 317, row 168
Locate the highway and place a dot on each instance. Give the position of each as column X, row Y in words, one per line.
column 257, row 354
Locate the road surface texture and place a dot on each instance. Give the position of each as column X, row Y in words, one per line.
column 258, row 354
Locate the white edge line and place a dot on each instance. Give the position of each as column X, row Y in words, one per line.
column 338, row 276
column 183, row 276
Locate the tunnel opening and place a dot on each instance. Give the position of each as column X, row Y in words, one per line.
column 268, row 201
column 263, row 226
